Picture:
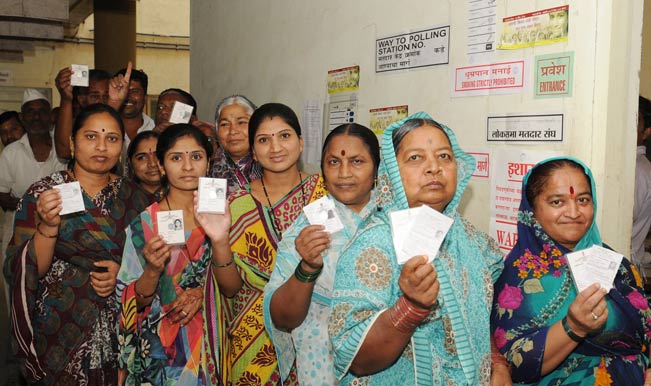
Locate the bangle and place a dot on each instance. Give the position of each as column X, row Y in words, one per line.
column 499, row 359
column 570, row 333
column 406, row 316
column 306, row 276
column 212, row 262
column 38, row 229
column 143, row 296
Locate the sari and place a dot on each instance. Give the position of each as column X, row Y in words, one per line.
column 237, row 174
column 153, row 349
column 536, row 290
column 248, row 351
column 452, row 345
column 308, row 344
column 63, row 332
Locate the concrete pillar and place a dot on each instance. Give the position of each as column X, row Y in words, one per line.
column 115, row 34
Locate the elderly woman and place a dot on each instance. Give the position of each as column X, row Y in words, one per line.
column 550, row 333
column 233, row 160
column 421, row 323
column 296, row 306
column 62, row 268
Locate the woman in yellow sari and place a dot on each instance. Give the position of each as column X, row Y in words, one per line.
column 244, row 258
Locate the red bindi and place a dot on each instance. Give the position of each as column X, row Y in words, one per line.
column 343, row 153
column 572, row 191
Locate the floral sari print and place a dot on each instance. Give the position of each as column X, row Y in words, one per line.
column 452, row 346
column 536, row 290
column 248, row 352
column 63, row 332
column 153, row 349
column 237, row 174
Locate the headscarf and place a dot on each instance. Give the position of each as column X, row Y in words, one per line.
column 464, row 246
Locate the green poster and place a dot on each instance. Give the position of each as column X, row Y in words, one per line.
column 554, row 75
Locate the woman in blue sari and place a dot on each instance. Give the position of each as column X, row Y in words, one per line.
column 420, row 323
column 296, row 306
column 550, row 334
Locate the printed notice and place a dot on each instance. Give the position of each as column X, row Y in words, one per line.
column 508, row 168
column 381, row 118
column 343, row 80
column 482, row 166
column 554, row 75
column 422, row 48
column 341, row 110
column 525, row 128
column 481, row 27
column 312, row 125
column 546, row 26
column 485, row 79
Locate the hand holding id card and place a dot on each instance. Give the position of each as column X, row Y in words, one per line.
column 170, row 226
column 323, row 212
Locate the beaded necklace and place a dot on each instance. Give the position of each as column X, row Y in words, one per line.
column 276, row 223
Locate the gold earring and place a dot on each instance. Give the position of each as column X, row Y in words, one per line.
column 72, row 152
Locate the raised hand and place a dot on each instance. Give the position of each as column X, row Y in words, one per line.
column 216, row 226
column 588, row 312
column 156, row 253
column 119, row 88
column 419, row 281
column 311, row 243
column 48, row 207
column 64, row 84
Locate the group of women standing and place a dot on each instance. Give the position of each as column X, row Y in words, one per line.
column 258, row 296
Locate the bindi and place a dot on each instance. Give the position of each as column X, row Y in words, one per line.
column 343, row 153
column 103, row 130
column 571, row 191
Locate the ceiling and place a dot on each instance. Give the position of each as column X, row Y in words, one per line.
column 22, row 22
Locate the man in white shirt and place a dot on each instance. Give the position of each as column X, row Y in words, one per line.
column 642, row 204
column 26, row 160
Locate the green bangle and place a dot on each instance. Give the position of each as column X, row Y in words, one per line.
column 570, row 333
column 305, row 276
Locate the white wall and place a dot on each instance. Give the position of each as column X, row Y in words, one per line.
column 281, row 50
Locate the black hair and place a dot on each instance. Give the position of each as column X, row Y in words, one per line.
column 185, row 96
column 137, row 75
column 540, row 176
column 272, row 110
column 356, row 130
column 7, row 115
column 131, row 150
column 644, row 108
column 89, row 111
column 168, row 138
column 399, row 134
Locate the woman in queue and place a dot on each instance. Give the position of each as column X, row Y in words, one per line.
column 244, row 259
column 550, row 333
column 422, row 323
column 62, row 267
column 233, row 160
column 297, row 298
column 142, row 164
column 160, row 286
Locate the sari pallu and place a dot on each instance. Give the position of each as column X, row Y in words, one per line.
column 63, row 332
column 536, row 290
column 152, row 349
column 254, row 242
column 237, row 174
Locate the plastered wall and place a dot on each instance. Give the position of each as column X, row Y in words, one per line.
column 281, row 51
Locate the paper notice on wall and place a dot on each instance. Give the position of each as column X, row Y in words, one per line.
column 508, row 168
column 525, row 128
column 312, row 129
column 482, row 26
column 341, row 109
column 537, row 28
column 420, row 48
column 554, row 75
column 6, row 78
column 493, row 78
column 382, row 117
column 482, row 165
column 343, row 80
